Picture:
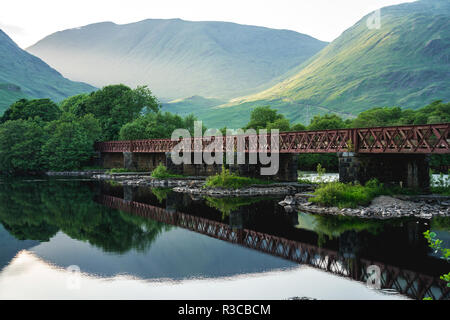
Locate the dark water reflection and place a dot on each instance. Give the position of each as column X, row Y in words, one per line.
column 78, row 223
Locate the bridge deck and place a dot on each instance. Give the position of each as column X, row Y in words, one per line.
column 432, row 138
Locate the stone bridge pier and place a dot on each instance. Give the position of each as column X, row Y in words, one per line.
column 406, row 170
column 140, row 161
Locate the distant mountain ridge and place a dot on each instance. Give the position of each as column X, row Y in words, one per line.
column 23, row 75
column 178, row 58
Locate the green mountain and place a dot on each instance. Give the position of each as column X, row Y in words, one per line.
column 406, row 63
column 23, row 75
column 9, row 93
column 194, row 104
column 177, row 58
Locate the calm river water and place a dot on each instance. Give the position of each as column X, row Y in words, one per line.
column 75, row 239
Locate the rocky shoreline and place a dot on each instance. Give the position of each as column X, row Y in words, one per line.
column 297, row 195
column 384, row 207
column 195, row 185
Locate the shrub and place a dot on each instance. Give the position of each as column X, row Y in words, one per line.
column 161, row 172
column 347, row 195
column 228, row 180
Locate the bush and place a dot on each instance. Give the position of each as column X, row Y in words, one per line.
column 228, row 180
column 347, row 195
column 161, row 172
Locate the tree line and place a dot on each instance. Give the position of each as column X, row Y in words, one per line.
column 39, row 135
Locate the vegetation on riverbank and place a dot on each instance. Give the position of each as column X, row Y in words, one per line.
column 347, row 195
column 161, row 172
column 39, row 135
column 436, row 112
column 352, row 195
column 226, row 179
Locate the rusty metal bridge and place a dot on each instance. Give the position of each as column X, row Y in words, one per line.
column 424, row 139
column 407, row 282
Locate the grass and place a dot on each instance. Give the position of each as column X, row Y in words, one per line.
column 117, row 170
column 228, row 180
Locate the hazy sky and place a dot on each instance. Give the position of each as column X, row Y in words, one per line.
column 27, row 21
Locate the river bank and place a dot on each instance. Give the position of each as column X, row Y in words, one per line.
column 297, row 195
column 422, row 206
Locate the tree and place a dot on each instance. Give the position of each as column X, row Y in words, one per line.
column 113, row 106
column 25, row 109
column 281, row 124
column 20, row 146
column 298, row 127
column 327, row 121
column 435, row 112
column 262, row 116
column 75, row 104
column 376, row 117
column 156, row 126
column 71, row 142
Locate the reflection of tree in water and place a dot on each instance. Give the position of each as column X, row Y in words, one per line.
column 161, row 193
column 335, row 226
column 441, row 223
column 227, row 205
column 37, row 210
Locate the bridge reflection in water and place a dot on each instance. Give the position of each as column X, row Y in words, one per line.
column 413, row 281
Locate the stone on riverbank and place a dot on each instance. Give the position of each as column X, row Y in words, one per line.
column 381, row 207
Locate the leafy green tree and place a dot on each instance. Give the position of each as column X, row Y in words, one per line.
column 262, row 116
column 435, row 112
column 298, row 127
column 20, row 146
column 25, row 109
column 75, row 104
column 326, row 121
column 71, row 142
column 156, row 126
column 281, row 124
column 378, row 117
column 114, row 106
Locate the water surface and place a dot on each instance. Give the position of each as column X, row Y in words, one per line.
column 142, row 243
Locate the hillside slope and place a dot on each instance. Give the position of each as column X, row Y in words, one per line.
column 24, row 75
column 178, row 58
column 405, row 63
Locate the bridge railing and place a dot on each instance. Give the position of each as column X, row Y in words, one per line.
column 432, row 138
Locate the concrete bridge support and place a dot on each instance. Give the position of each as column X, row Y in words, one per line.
column 132, row 161
column 287, row 170
column 407, row 170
